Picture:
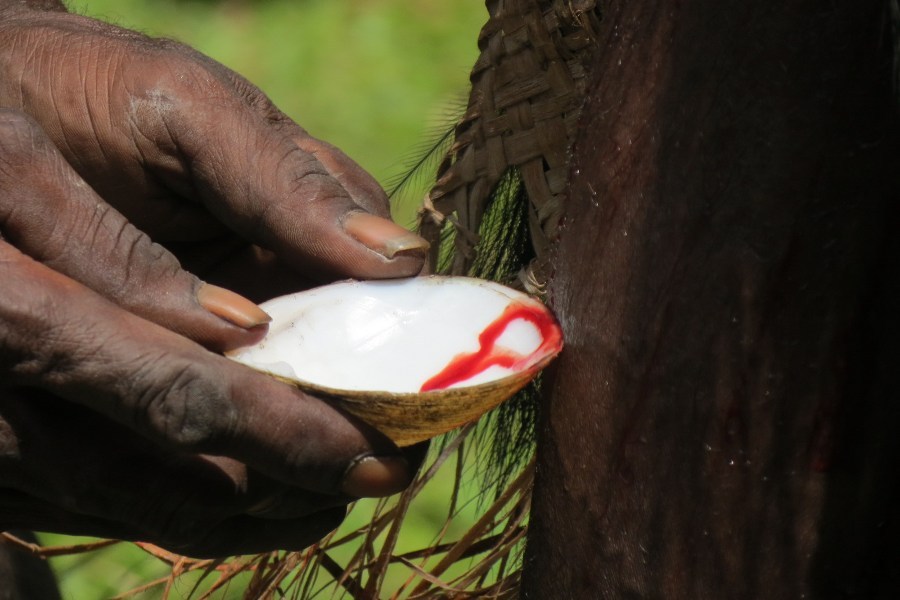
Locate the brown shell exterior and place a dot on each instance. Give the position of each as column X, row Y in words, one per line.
column 409, row 418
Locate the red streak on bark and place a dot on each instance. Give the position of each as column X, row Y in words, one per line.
column 465, row 366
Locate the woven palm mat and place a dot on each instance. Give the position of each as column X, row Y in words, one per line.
column 528, row 86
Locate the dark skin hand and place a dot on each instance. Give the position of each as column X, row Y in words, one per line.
column 129, row 167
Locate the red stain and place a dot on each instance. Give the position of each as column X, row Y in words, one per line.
column 465, row 366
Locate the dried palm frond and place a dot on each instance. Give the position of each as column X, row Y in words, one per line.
column 372, row 560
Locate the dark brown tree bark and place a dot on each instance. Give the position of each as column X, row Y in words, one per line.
column 725, row 419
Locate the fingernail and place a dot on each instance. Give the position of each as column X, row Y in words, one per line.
column 232, row 307
column 376, row 476
column 383, row 236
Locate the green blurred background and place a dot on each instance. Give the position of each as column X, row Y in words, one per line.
column 377, row 78
column 374, row 77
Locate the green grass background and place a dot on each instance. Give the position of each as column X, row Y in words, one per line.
column 374, row 77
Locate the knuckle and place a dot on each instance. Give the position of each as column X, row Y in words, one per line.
column 33, row 345
column 194, row 70
column 173, row 74
column 187, row 405
column 143, row 262
column 316, row 188
column 259, row 102
column 170, row 85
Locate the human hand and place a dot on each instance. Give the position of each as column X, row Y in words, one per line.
column 107, row 136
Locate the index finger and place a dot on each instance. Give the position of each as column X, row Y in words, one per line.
column 253, row 175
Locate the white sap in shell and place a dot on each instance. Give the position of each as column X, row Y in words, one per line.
column 395, row 336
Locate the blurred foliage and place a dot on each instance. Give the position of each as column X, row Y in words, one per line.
column 374, row 77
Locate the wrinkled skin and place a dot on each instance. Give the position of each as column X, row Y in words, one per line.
column 129, row 169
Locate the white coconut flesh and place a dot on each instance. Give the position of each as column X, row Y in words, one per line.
column 411, row 335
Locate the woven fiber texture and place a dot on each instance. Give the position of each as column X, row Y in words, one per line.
column 528, row 86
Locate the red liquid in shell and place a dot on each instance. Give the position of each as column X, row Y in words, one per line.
column 466, row 366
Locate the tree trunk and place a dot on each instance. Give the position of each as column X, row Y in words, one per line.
column 723, row 422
